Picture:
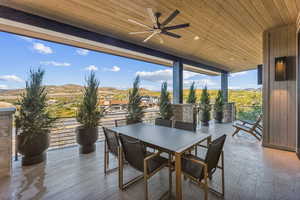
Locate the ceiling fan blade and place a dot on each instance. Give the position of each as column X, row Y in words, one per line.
column 160, row 39
column 138, row 23
column 152, row 16
column 176, row 27
column 171, row 34
column 150, row 36
column 170, row 18
column 140, row 32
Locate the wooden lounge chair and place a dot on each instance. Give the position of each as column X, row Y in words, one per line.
column 199, row 169
column 143, row 161
column 253, row 128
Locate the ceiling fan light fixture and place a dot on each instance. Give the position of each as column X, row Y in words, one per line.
column 157, row 27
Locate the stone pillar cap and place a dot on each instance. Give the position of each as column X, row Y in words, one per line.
column 7, row 107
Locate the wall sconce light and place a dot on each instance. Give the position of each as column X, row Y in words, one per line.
column 281, row 69
column 259, row 74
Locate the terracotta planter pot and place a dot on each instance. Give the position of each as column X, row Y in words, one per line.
column 34, row 150
column 86, row 138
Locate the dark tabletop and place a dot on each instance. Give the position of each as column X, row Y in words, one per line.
column 171, row 139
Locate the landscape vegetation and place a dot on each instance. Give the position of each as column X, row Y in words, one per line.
column 64, row 99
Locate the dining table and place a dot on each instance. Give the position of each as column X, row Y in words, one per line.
column 170, row 140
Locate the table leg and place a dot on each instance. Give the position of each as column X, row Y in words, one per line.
column 208, row 140
column 178, row 176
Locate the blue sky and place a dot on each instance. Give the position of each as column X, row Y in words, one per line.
column 69, row 65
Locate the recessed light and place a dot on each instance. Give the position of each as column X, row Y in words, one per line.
column 196, row 37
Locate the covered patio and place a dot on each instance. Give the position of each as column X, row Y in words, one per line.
column 252, row 172
column 223, row 37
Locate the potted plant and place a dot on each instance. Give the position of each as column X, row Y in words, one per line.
column 88, row 115
column 165, row 106
column 192, row 94
column 33, row 120
column 205, row 107
column 135, row 108
column 218, row 107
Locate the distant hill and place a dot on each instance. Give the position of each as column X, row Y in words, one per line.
column 72, row 90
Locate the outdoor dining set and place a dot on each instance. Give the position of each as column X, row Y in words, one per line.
column 166, row 144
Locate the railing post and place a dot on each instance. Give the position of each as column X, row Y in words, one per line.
column 177, row 82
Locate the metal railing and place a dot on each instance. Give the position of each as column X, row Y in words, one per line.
column 248, row 112
column 63, row 134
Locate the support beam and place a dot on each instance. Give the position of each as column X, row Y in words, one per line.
column 177, row 82
column 224, row 86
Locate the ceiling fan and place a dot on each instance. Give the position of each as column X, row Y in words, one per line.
column 158, row 27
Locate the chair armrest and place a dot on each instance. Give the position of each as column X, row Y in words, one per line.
column 246, row 122
column 152, row 156
column 198, row 162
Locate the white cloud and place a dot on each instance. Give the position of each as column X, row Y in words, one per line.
column 11, row 78
column 91, row 68
column 82, row 52
column 200, row 83
column 41, row 48
column 56, row 64
column 113, row 69
column 163, row 75
column 160, row 76
column 25, row 38
column 238, row 74
column 3, row 87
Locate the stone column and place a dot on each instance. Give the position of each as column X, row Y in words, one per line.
column 184, row 113
column 6, row 121
column 229, row 112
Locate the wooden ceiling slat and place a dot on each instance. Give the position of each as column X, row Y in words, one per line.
column 230, row 31
column 283, row 10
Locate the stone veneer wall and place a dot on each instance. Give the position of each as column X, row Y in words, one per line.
column 229, row 113
column 6, row 119
column 184, row 112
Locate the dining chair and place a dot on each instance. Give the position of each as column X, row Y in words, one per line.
column 185, row 126
column 111, row 145
column 199, row 169
column 137, row 157
column 188, row 127
column 163, row 122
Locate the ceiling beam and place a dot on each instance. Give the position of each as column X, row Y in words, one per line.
column 48, row 24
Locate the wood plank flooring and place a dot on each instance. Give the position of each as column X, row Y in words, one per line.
column 251, row 172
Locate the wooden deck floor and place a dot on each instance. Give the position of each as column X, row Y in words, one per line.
column 251, row 172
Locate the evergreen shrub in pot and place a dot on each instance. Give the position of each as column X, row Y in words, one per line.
column 205, row 107
column 88, row 115
column 33, row 120
column 218, row 107
column 135, row 109
column 165, row 106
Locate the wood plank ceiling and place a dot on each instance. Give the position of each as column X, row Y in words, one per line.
column 229, row 31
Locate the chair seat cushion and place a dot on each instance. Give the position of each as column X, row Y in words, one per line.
column 191, row 168
column 155, row 162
